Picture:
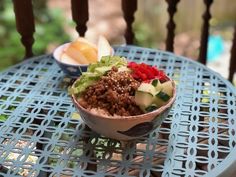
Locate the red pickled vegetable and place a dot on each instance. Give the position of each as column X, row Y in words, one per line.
column 146, row 73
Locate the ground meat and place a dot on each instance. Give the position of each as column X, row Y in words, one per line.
column 114, row 93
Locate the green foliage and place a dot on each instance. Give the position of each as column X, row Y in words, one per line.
column 143, row 35
column 49, row 30
column 3, row 117
column 11, row 49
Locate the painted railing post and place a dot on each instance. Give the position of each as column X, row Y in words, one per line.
column 80, row 15
column 205, row 32
column 129, row 7
column 172, row 4
column 25, row 24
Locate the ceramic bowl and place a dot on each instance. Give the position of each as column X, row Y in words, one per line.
column 71, row 70
column 125, row 128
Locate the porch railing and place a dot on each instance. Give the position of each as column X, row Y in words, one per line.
column 25, row 25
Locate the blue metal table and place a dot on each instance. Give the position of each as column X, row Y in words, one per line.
column 42, row 135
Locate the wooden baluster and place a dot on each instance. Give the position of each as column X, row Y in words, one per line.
column 204, row 40
column 232, row 66
column 25, row 24
column 205, row 32
column 80, row 15
column 129, row 7
column 172, row 4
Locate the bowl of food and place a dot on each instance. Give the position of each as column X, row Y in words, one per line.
column 74, row 57
column 123, row 100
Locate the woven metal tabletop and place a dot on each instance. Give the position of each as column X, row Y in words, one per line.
column 42, row 135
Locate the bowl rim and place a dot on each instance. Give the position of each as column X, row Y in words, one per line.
column 155, row 113
column 57, row 51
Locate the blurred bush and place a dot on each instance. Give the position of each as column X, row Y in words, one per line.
column 151, row 19
column 49, row 29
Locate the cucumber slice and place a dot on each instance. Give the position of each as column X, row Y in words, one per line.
column 151, row 108
column 146, row 87
column 155, row 82
column 163, row 96
column 158, row 102
column 167, row 87
column 143, row 99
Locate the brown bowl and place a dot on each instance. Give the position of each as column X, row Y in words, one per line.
column 125, row 127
